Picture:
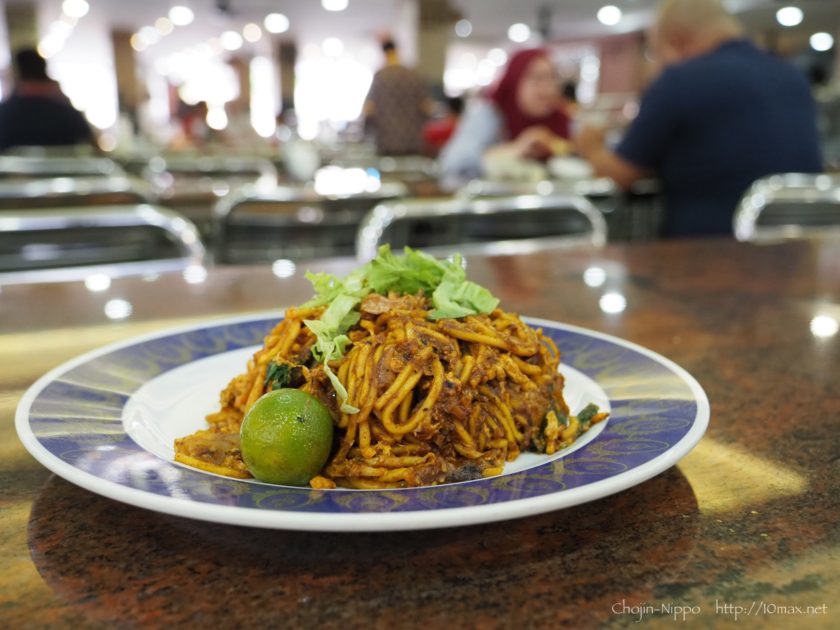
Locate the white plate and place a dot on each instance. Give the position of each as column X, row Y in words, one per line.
column 106, row 421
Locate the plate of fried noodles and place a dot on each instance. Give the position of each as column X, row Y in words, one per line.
column 446, row 409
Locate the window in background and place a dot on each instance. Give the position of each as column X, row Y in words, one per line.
column 80, row 59
column 331, row 87
column 264, row 99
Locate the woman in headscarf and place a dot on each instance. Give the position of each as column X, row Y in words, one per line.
column 519, row 118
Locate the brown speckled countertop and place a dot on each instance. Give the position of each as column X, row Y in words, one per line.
column 749, row 519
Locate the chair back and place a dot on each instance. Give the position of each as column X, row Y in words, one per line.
column 193, row 185
column 60, row 192
column 791, row 205
column 292, row 222
column 502, row 225
column 62, row 243
column 633, row 215
column 28, row 167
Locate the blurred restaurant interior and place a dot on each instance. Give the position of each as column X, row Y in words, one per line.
column 643, row 176
column 241, row 131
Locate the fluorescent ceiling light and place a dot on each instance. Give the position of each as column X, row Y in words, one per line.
column 181, row 15
column 789, row 16
column 231, row 40
column 609, row 15
column 822, row 41
column 276, row 23
column 463, row 28
column 75, row 8
column 335, row 5
column 519, row 33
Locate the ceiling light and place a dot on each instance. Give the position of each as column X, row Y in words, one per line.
column 181, row 15
column 609, row 15
column 149, row 35
column 335, row 5
column 252, row 32
column 497, row 56
column 231, row 40
column 822, row 41
column 137, row 43
column 789, row 16
column 463, row 28
column 164, row 25
column 276, row 23
column 49, row 47
column 75, row 8
column 60, row 29
column 519, row 33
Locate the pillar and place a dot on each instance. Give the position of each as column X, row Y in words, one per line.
column 242, row 68
column 286, row 61
column 437, row 19
column 22, row 23
column 125, row 66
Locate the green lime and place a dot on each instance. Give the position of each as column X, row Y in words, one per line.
column 286, row 437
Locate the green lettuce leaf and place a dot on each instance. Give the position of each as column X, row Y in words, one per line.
column 446, row 281
column 455, row 296
column 407, row 274
column 332, row 341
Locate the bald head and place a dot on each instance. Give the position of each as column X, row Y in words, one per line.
column 687, row 28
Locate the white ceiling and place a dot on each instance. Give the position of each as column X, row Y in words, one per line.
column 576, row 19
column 490, row 18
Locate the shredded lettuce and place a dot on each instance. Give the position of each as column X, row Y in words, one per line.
column 332, row 341
column 455, row 296
column 446, row 281
column 407, row 275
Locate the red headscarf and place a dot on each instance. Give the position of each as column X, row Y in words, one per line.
column 503, row 94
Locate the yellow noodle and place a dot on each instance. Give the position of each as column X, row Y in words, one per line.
column 470, row 392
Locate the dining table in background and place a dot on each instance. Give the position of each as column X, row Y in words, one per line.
column 743, row 530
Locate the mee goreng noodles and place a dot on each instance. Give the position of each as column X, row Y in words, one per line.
column 425, row 385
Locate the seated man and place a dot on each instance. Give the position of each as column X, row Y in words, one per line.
column 37, row 113
column 721, row 115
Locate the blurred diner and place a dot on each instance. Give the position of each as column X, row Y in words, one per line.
column 518, row 119
column 721, row 115
column 437, row 132
column 396, row 106
column 37, row 113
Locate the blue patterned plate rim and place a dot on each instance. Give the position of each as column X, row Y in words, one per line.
column 625, row 454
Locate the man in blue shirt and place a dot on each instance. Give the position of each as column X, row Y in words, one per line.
column 721, row 115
